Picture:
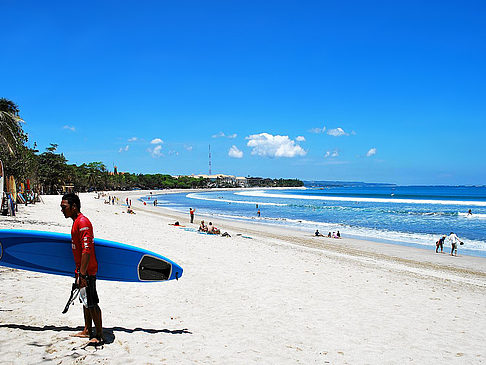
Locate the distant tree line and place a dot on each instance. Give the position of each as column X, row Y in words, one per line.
column 49, row 172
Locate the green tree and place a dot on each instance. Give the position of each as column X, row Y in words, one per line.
column 53, row 170
column 11, row 133
column 13, row 152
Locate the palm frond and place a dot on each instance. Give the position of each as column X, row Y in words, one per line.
column 10, row 131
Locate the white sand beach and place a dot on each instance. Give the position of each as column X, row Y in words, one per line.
column 273, row 297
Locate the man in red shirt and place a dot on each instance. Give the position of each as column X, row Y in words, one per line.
column 86, row 265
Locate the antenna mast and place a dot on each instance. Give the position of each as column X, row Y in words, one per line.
column 209, row 159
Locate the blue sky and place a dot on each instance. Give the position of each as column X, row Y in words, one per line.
column 376, row 91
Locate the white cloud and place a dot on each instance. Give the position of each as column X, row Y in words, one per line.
column 156, row 141
column 331, row 154
column 156, row 151
column 300, row 139
column 265, row 144
column 70, row 127
column 188, row 148
column 235, row 152
column 133, row 139
column 371, row 152
column 318, row 130
column 124, row 149
column 221, row 134
column 337, row 132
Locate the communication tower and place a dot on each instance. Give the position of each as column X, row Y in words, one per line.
column 209, row 159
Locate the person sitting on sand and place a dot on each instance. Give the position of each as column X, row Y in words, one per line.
column 329, row 235
column 318, row 234
column 338, row 235
column 203, row 227
column 130, row 211
column 212, row 229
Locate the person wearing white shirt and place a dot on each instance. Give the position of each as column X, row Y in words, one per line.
column 454, row 241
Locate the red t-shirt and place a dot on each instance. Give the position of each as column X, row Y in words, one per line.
column 82, row 239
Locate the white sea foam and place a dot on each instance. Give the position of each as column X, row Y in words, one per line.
column 264, row 194
column 196, row 196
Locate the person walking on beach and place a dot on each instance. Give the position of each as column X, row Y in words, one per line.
column 258, row 212
column 82, row 238
column 191, row 213
column 454, row 241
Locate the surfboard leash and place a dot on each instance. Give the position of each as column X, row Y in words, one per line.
column 72, row 297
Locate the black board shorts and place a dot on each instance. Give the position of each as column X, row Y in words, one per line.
column 91, row 293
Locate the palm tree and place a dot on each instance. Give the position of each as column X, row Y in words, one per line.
column 11, row 133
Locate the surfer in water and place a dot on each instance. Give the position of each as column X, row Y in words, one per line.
column 86, row 266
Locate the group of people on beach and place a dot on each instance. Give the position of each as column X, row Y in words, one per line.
column 453, row 239
column 329, row 235
column 209, row 229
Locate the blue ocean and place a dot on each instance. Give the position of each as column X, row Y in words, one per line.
column 405, row 215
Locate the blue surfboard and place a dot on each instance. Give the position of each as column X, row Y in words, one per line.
column 51, row 253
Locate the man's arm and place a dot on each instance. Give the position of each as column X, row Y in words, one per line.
column 83, row 270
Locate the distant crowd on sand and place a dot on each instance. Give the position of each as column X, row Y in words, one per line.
column 453, row 239
column 329, row 235
column 211, row 229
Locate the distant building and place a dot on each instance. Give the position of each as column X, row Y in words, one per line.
column 224, row 180
column 241, row 181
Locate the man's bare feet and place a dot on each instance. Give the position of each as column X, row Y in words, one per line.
column 81, row 334
column 96, row 342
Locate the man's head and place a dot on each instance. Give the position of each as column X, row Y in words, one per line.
column 70, row 205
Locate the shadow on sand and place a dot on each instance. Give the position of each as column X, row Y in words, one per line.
column 108, row 332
